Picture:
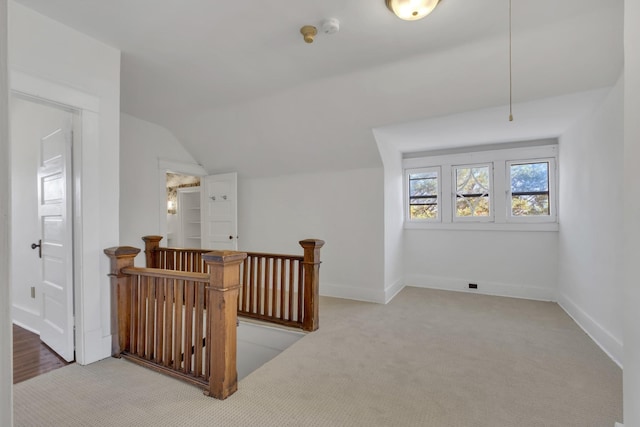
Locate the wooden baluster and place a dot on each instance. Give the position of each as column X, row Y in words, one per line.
column 151, row 245
column 135, row 316
column 265, row 280
column 151, row 316
column 274, row 288
column 259, row 286
column 158, row 352
column 224, row 282
column 310, row 321
column 300, row 287
column 188, row 326
column 252, row 285
column 245, row 284
column 283, row 288
column 171, row 260
column 168, row 324
column 199, row 306
column 178, row 302
column 120, row 257
column 291, row 264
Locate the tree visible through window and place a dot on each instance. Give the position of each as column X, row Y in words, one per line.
column 504, row 189
column 423, row 195
column 529, row 189
column 473, row 191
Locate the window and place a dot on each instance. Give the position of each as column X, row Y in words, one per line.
column 530, row 190
column 473, row 191
column 423, row 194
column 490, row 189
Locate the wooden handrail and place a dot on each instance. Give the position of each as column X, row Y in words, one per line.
column 179, row 323
column 167, row 274
column 276, row 288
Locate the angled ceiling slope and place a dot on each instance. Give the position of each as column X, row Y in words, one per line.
column 236, row 77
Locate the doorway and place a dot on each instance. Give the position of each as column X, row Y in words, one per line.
column 42, row 268
column 183, row 210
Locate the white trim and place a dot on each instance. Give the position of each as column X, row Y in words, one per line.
column 25, row 326
column 49, row 91
column 350, row 292
column 6, row 344
column 22, row 316
column 86, row 245
column 164, row 166
column 497, row 160
column 552, row 176
column 484, row 287
column 454, row 194
column 406, row 194
column 485, row 226
column 186, row 168
column 599, row 334
column 393, row 290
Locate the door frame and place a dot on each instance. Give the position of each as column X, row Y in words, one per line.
column 183, row 168
column 85, row 134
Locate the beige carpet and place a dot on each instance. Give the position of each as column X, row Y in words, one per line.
column 429, row 358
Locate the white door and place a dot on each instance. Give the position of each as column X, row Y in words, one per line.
column 56, row 250
column 219, row 210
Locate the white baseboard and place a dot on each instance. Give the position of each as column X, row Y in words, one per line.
column 393, row 290
column 619, row 425
column 603, row 338
column 350, row 292
column 26, row 318
column 484, row 287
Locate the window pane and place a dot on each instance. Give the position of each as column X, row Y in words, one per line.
column 472, row 191
column 530, row 189
column 423, row 195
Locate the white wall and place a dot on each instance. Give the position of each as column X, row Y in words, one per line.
column 591, row 212
column 508, row 263
column 345, row 209
column 6, row 372
column 53, row 53
column 142, row 144
column 393, row 215
column 631, row 214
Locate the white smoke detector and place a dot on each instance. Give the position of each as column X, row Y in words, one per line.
column 330, row 26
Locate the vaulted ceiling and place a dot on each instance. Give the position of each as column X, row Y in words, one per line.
column 237, row 85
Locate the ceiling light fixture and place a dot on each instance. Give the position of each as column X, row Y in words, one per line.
column 309, row 32
column 411, row 10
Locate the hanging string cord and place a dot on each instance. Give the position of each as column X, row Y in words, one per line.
column 510, row 70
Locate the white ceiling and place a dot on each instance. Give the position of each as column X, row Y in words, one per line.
column 238, row 86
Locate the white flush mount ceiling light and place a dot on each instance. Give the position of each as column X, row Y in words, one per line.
column 411, row 10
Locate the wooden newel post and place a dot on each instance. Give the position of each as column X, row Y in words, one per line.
column 121, row 257
column 310, row 317
column 151, row 244
column 222, row 315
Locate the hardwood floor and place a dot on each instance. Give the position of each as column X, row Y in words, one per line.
column 31, row 357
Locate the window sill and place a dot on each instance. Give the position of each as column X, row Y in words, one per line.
column 483, row 226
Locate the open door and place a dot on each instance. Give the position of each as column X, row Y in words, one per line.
column 56, row 244
column 219, row 211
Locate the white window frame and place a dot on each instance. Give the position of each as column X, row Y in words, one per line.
column 553, row 201
column 454, row 194
column 408, row 172
column 500, row 159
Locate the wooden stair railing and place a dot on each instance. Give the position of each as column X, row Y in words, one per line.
column 275, row 288
column 179, row 323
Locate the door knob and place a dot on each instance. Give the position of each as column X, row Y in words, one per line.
column 39, row 246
